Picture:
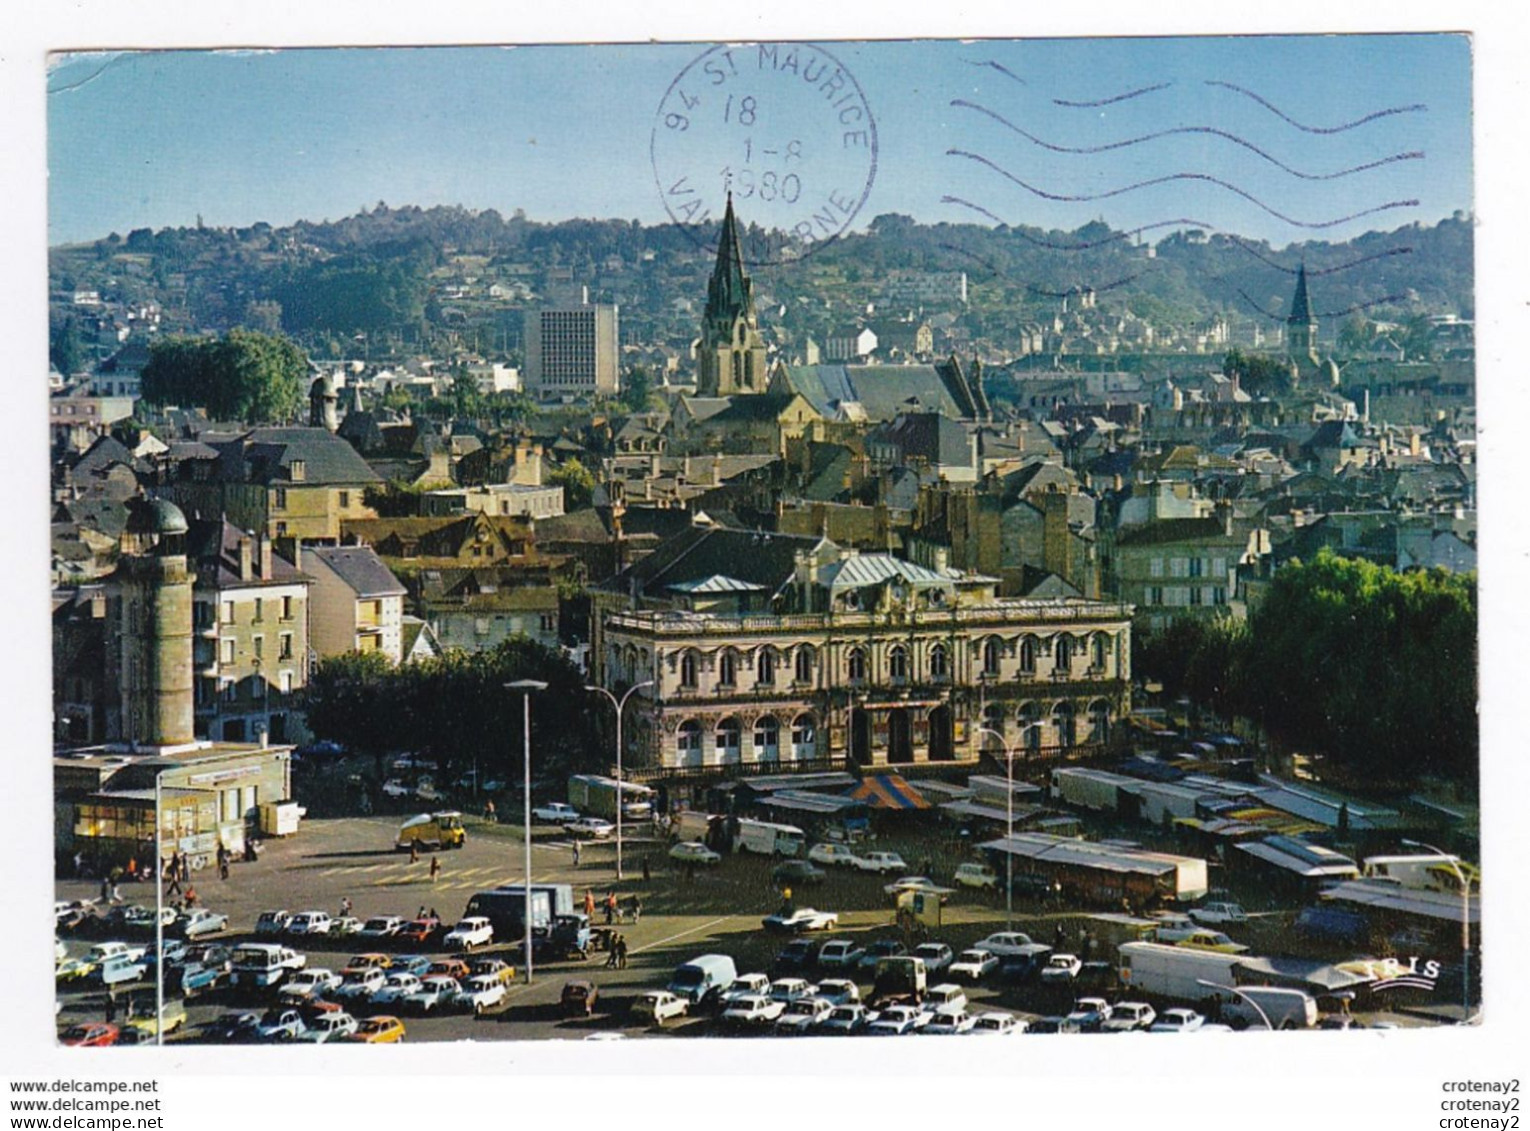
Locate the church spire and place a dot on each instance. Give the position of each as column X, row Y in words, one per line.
column 729, row 291
column 730, row 355
column 1301, row 304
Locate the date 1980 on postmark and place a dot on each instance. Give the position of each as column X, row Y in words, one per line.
column 783, row 127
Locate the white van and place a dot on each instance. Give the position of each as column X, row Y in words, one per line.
column 947, row 996
column 1284, row 1009
column 265, row 964
column 704, row 978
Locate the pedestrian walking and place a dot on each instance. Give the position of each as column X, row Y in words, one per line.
column 223, row 869
column 646, row 874
column 79, row 864
column 421, row 912
column 345, row 906
column 173, row 874
column 435, row 867
column 414, row 852
column 489, row 814
column 589, row 903
column 576, row 854
column 116, row 893
column 621, row 952
column 611, row 907
column 106, row 889
column 191, row 896
column 611, row 952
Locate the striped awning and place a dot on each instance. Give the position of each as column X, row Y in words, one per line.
column 888, row 791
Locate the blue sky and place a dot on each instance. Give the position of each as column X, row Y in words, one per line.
column 157, row 138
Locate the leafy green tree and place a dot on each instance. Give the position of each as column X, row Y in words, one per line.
column 243, row 375
column 1257, row 375
column 66, row 350
column 577, row 481
column 639, row 388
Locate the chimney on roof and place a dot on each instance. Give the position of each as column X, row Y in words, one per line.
column 265, row 556
column 246, row 567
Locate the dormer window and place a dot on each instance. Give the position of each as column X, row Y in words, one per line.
column 298, row 470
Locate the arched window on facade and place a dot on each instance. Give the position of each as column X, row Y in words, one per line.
column 730, row 733
column 1030, row 726
column 1100, row 651
column 688, row 743
column 804, row 738
column 767, row 739
column 1028, row 655
column 897, row 664
column 993, row 720
column 688, row 667
column 1062, row 654
column 1063, row 719
column 804, row 662
column 991, row 653
column 857, row 665
column 727, row 668
column 940, row 663
column 765, row 667
column 1099, row 722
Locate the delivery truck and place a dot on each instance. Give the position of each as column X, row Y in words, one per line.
column 505, row 909
column 769, row 839
column 596, row 795
column 1177, row 973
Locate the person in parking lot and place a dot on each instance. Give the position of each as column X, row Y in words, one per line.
column 435, row 867
column 647, row 875
column 576, row 854
column 621, row 952
column 611, row 907
column 589, row 903
column 191, row 897
column 414, row 852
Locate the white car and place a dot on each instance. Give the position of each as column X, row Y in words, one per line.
column 311, row 983
column 840, row 954
column 308, row 923
column 329, row 1027
column 1219, row 914
column 1129, row 1016
column 480, row 993
column 997, row 1024
column 471, row 932
column 659, row 1006
column 394, row 987
column 1090, row 1013
column 802, row 1015
column 1177, row 1021
column 381, row 927
column 591, row 827
column 897, row 1020
column 977, row 876
column 883, row 863
column 361, row 984
column 836, row 855
column 435, row 992
column 344, row 926
column 1061, row 968
column 974, row 965
column 950, row 1020
column 847, row 1019
column 839, row 991
column 802, row 919
column 922, row 884
column 787, row 990
column 555, row 813
column 1006, row 944
column 936, row 956
column 752, row 1009
column 694, row 852
column 745, row 985
column 393, row 787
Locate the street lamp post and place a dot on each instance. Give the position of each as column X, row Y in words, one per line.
column 620, row 796
column 1009, row 828
column 1263, row 1016
column 159, row 911
column 1466, row 924
column 526, row 687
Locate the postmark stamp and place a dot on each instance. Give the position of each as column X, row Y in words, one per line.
column 784, row 127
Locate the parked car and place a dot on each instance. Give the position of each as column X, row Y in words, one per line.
column 379, row 1030
column 849, row 1018
column 270, row 923
column 329, row 1027
column 381, row 927
column 470, row 932
column 435, row 992
column 344, row 926
column 360, row 985
column 593, row 827
column 280, row 1024
column 997, row 1024
column 396, row 787
column 554, row 813
column 898, row 1020
column 799, row 955
column 307, row 923
column 840, row 954
column 802, row 1016
column 1128, row 1016
column 950, row 1020
column 448, row 968
column 882, row 948
column 979, row 876
column 419, row 931
column 578, row 998
column 1006, row 943
column 974, row 965
column 834, row 855
column 694, row 852
column 309, row 983
column 1200, row 938
column 1219, row 914
column 367, row 961
column 497, row 968
column 659, row 1006
column 790, row 872
column 791, row 989
column 921, row 884
column 480, row 994
column 118, row 969
column 839, row 991
column 92, row 1034
column 233, row 1026
column 936, row 955
column 1177, row 1021
column 801, row 919
column 1090, row 1013
column 198, row 921
column 1061, row 969
column 752, row 1009
column 745, row 985
column 394, row 987
column 883, row 863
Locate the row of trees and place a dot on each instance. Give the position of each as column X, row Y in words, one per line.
column 456, row 709
column 1372, row 668
column 243, row 375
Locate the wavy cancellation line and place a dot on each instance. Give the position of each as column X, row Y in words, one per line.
column 1384, row 300
column 993, row 270
column 1317, row 272
column 1283, row 116
column 1183, row 221
column 1212, row 131
column 994, row 64
column 1138, row 93
column 1171, row 177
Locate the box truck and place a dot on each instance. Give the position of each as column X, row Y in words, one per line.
column 1176, row 972
column 595, row 794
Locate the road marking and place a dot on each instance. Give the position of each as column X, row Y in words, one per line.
column 682, row 934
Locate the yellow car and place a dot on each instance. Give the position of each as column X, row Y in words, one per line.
column 380, row 1030
column 497, row 968
column 143, row 1017
column 75, row 969
column 367, row 962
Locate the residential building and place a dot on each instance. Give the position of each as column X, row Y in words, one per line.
column 1182, row 566
column 571, row 351
column 517, row 500
column 355, row 602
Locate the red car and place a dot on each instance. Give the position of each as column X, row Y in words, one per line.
column 420, row 931
column 92, row 1034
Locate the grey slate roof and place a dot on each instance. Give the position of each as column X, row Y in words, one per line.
column 360, row 568
column 883, row 391
column 266, row 456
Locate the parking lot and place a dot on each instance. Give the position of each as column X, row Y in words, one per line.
column 714, row 909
